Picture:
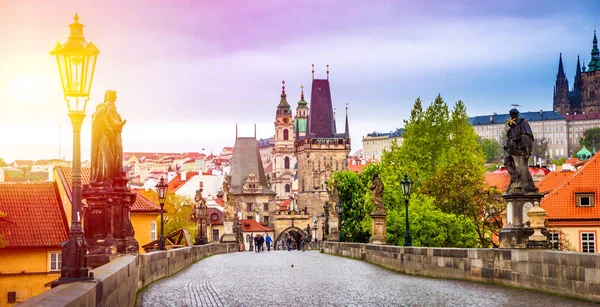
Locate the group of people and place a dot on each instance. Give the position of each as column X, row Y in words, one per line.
column 259, row 242
column 289, row 243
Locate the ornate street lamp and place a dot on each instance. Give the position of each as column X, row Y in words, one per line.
column 161, row 189
column 76, row 60
column 323, row 217
column 338, row 209
column 315, row 227
column 406, row 186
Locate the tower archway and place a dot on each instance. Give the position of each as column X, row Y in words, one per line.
column 297, row 235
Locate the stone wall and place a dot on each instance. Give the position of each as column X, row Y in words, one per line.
column 566, row 273
column 116, row 283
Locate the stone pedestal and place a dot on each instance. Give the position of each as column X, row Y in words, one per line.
column 379, row 228
column 107, row 224
column 228, row 235
column 516, row 231
column 536, row 221
column 334, row 234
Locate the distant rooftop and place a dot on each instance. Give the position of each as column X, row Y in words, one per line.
column 392, row 134
column 502, row 118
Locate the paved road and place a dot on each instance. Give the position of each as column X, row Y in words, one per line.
column 268, row 279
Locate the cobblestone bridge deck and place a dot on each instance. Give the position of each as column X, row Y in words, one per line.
column 268, row 279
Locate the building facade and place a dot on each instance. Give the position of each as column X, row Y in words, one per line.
column 584, row 96
column 284, row 158
column 376, row 142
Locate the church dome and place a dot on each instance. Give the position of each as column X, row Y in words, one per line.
column 584, row 153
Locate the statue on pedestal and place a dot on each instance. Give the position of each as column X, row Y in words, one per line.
column 334, row 196
column 377, row 193
column 518, row 147
column 229, row 209
column 107, row 148
column 201, row 237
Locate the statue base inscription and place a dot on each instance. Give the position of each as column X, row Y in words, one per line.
column 379, row 228
column 516, row 232
column 108, row 229
column 228, row 235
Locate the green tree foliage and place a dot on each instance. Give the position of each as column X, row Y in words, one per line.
column 442, row 156
column 491, row 149
column 352, row 198
column 179, row 209
column 559, row 161
column 3, row 163
column 591, row 138
column 429, row 226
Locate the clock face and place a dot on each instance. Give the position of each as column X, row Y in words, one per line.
column 286, row 120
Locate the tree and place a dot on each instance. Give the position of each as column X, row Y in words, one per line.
column 179, row 209
column 429, row 226
column 352, row 198
column 25, row 169
column 3, row 163
column 591, row 138
column 540, row 149
column 491, row 149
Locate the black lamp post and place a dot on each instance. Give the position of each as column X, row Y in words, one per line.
column 76, row 60
column 161, row 189
column 323, row 217
column 406, row 186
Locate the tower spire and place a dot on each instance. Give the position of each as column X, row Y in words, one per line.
column 595, row 61
column 302, row 92
column 327, row 71
column 561, row 71
column 347, row 129
column 577, row 85
column 313, row 71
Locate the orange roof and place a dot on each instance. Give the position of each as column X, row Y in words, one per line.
column 284, row 205
column 220, row 201
column 34, row 215
column 553, row 180
column 141, row 204
column 250, row 225
column 561, row 202
column 571, row 161
column 498, row 180
column 176, row 182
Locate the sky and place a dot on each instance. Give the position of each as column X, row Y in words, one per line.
column 187, row 71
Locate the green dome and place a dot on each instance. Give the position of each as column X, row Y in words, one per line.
column 302, row 104
column 584, row 154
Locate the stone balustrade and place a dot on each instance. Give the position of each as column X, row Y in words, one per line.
column 117, row 282
column 565, row 273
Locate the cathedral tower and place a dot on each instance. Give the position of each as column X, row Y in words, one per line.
column 561, row 90
column 283, row 152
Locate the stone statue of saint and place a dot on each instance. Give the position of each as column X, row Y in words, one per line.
column 228, row 210
column 518, row 147
column 377, row 192
column 308, row 233
column 334, row 196
column 107, row 148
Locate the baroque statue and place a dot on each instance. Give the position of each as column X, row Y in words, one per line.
column 229, row 209
column 377, row 192
column 518, row 148
column 334, row 196
column 107, row 147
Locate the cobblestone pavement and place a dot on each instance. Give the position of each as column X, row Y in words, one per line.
column 268, row 279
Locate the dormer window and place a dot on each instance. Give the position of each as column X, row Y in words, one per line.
column 585, row 200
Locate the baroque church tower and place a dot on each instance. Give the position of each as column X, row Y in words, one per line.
column 284, row 159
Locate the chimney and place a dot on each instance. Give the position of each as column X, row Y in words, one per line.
column 183, row 176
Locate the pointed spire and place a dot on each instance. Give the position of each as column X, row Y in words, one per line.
column 283, row 104
column 327, row 71
column 313, row 71
column 561, row 71
column 347, row 129
column 578, row 83
column 302, row 90
column 595, row 61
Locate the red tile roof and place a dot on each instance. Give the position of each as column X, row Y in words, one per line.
column 250, row 225
column 284, row 205
column 34, row 215
column 498, row 180
column 176, row 182
column 220, row 201
column 561, row 202
column 141, row 204
column 553, row 180
column 571, row 161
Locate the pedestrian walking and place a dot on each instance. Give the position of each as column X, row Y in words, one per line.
column 261, row 241
column 256, row 243
column 302, row 245
column 268, row 241
column 289, row 242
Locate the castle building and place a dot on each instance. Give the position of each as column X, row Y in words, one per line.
column 584, row 97
column 376, row 142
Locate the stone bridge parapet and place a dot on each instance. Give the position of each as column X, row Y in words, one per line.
column 117, row 282
column 565, row 273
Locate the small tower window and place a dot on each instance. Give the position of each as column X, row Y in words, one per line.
column 286, row 134
column 286, row 162
column 287, row 188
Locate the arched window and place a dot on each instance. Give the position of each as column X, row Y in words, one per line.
column 286, row 135
column 287, row 188
column 286, row 162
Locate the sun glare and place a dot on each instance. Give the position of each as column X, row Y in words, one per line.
column 28, row 88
